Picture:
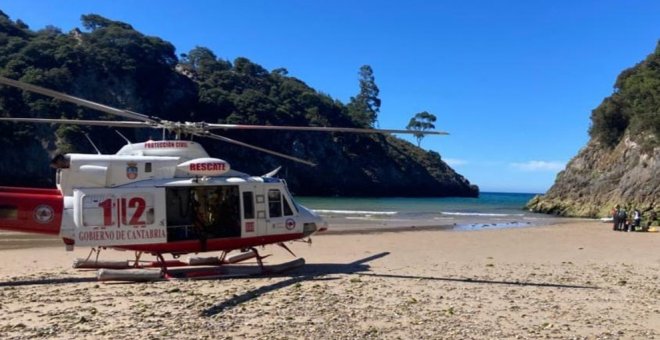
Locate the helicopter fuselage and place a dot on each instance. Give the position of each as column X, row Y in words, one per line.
column 158, row 197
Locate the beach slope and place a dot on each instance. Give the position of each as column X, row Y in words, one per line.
column 578, row 279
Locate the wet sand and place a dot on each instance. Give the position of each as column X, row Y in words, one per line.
column 571, row 280
column 13, row 240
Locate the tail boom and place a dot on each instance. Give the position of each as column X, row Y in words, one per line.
column 31, row 210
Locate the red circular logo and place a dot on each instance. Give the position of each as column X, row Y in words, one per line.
column 43, row 214
column 290, row 224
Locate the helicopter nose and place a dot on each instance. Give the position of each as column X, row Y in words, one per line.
column 314, row 222
column 324, row 227
column 309, row 228
column 312, row 227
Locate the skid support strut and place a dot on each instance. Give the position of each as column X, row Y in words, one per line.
column 260, row 261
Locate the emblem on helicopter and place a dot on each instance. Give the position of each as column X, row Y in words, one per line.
column 43, row 214
column 131, row 170
column 290, row 224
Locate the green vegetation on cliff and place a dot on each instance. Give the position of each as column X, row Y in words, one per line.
column 111, row 63
column 633, row 107
column 621, row 163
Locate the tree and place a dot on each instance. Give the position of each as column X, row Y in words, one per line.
column 633, row 110
column 93, row 22
column 203, row 63
column 365, row 107
column 421, row 122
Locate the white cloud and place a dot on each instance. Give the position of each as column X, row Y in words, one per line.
column 539, row 166
column 454, row 161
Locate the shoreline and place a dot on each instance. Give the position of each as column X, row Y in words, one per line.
column 338, row 226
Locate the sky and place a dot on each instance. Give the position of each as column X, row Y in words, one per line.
column 512, row 81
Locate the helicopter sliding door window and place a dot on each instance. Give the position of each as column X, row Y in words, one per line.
column 180, row 214
column 223, row 209
column 194, row 212
column 248, row 205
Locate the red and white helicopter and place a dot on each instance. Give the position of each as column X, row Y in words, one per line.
column 161, row 197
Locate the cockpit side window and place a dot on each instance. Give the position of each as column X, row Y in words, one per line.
column 60, row 161
column 287, row 208
column 274, row 203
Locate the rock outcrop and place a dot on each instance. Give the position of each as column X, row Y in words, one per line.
column 599, row 178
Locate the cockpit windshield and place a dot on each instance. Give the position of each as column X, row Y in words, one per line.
column 60, row 161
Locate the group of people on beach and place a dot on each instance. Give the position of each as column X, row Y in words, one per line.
column 631, row 222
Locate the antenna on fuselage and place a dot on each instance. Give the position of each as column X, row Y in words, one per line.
column 94, row 146
column 124, row 137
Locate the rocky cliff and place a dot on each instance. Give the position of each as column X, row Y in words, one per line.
column 599, row 178
column 621, row 163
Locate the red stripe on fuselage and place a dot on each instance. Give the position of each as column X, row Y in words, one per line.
column 31, row 210
column 217, row 244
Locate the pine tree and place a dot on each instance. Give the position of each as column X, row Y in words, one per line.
column 365, row 106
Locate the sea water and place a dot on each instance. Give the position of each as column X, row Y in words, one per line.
column 489, row 210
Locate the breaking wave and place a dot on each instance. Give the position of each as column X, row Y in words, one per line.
column 452, row 213
column 354, row 212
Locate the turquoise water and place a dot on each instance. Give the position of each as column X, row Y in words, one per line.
column 492, row 210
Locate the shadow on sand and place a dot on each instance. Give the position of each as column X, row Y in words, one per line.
column 18, row 283
column 316, row 272
column 309, row 272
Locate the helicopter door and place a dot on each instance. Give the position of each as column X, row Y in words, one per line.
column 254, row 220
column 119, row 217
column 280, row 214
column 251, row 225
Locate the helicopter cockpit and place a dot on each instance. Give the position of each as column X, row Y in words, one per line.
column 60, row 161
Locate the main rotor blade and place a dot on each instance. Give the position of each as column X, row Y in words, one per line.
column 233, row 141
column 316, row 128
column 117, row 123
column 78, row 101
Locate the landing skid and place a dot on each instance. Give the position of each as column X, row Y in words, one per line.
column 202, row 273
column 195, row 268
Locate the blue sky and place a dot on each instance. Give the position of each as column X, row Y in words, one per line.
column 514, row 82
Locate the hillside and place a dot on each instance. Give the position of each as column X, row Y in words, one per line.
column 111, row 63
column 621, row 162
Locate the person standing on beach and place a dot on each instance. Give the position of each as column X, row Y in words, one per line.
column 615, row 218
column 622, row 216
column 637, row 218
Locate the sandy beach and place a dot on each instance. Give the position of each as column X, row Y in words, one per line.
column 570, row 280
